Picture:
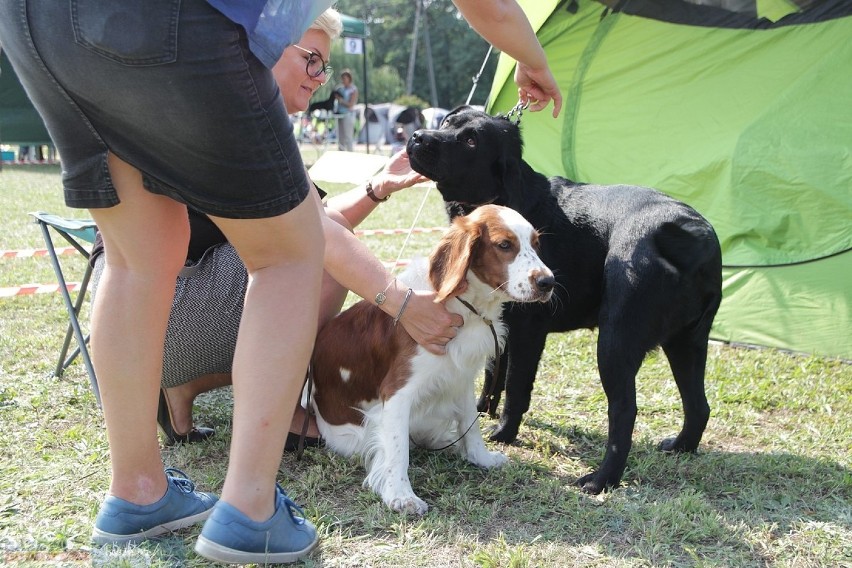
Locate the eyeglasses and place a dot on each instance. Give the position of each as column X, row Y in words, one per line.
column 316, row 65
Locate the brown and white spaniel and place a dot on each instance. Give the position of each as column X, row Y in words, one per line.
column 376, row 389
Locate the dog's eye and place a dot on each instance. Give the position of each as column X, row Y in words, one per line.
column 504, row 245
column 471, row 143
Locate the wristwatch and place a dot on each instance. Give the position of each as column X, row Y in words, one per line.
column 372, row 195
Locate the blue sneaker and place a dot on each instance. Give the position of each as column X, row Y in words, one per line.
column 231, row 537
column 122, row 522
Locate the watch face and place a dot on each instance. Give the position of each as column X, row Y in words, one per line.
column 380, row 298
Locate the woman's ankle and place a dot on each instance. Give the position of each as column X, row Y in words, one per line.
column 179, row 408
column 298, row 423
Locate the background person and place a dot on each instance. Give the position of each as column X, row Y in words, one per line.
column 346, row 100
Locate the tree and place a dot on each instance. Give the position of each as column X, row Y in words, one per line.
column 457, row 50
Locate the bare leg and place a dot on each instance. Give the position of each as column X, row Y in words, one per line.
column 332, row 294
column 283, row 256
column 181, row 397
column 145, row 239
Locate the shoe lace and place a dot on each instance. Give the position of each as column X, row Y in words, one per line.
column 296, row 512
column 180, row 480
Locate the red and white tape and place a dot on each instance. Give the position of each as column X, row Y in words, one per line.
column 380, row 232
column 27, row 253
column 30, row 289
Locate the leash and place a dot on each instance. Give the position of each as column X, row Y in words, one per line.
column 411, row 229
column 496, row 371
column 518, row 110
column 493, row 382
column 300, row 447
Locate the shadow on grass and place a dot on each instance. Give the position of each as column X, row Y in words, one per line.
column 709, row 504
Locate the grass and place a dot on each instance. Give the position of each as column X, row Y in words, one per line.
column 771, row 485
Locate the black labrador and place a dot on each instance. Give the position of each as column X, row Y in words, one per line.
column 642, row 267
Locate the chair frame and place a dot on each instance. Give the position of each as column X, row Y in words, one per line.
column 67, row 229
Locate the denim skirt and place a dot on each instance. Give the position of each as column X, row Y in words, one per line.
column 169, row 86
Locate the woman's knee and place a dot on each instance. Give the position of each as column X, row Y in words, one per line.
column 294, row 238
column 340, row 219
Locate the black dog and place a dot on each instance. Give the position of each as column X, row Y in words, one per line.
column 327, row 104
column 642, row 267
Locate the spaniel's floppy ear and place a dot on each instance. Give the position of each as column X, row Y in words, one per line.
column 449, row 262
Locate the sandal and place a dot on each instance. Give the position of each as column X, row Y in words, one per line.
column 164, row 420
column 292, row 443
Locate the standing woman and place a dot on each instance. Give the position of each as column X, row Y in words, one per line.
column 154, row 106
column 346, row 101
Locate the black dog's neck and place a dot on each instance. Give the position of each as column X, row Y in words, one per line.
column 527, row 192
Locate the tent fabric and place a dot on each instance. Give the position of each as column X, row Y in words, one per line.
column 19, row 121
column 749, row 124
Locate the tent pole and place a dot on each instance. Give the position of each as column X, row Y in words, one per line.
column 366, row 93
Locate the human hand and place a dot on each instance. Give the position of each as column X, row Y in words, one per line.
column 537, row 87
column 397, row 174
column 429, row 323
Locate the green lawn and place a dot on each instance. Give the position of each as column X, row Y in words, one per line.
column 771, row 485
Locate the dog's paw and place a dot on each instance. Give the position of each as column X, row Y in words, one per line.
column 504, row 433
column 408, row 505
column 488, row 460
column 594, row 484
column 675, row 445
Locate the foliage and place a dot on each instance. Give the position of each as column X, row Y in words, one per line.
column 412, row 101
column 457, row 51
column 385, row 84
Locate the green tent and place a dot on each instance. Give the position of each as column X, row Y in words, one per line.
column 745, row 116
column 19, row 121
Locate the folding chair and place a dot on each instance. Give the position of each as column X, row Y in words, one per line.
column 75, row 231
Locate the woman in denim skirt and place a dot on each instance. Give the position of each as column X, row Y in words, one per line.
column 154, row 106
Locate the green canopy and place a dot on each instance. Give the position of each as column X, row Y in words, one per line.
column 353, row 27
column 19, row 121
column 745, row 118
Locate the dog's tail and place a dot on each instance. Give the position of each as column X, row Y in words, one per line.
column 688, row 245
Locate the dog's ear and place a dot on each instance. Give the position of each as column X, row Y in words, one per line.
column 450, row 261
column 455, row 111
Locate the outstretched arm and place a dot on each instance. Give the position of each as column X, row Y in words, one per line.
column 355, row 205
column 505, row 26
column 354, row 267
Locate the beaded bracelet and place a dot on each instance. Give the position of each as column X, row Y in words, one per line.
column 404, row 303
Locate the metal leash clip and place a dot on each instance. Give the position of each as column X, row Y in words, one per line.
column 518, row 109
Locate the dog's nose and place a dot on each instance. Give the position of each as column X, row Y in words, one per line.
column 545, row 282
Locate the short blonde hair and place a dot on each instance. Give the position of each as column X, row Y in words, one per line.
column 329, row 22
